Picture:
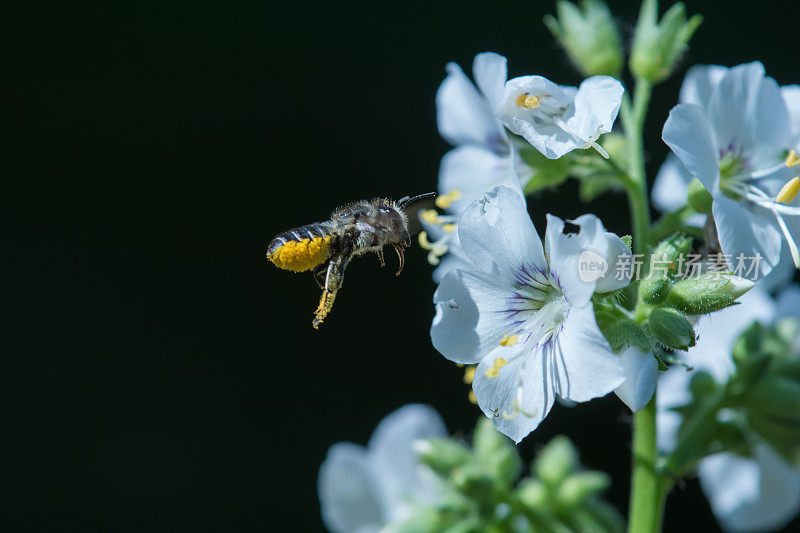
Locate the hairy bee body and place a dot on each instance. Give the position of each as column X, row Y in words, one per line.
column 355, row 229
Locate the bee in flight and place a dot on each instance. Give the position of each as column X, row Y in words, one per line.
column 355, row 229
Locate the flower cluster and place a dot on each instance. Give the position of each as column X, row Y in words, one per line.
column 584, row 312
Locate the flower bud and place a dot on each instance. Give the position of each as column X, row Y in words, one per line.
column 577, row 488
column 671, row 328
column 707, row 293
column 495, row 452
column 667, row 253
column 653, row 291
column 533, row 493
column 474, row 482
column 589, row 36
column 442, row 455
column 657, row 46
column 699, row 198
column 556, row 461
column 702, row 384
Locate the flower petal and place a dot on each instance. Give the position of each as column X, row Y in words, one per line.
column 733, row 105
column 490, row 72
column 348, row 491
column 582, row 363
column 747, row 231
column 537, row 125
column 463, row 114
column 689, row 134
column 497, row 234
column 620, row 270
column 472, row 171
column 699, row 84
column 641, row 375
column 597, row 104
column 788, row 304
column 393, row 459
column 577, row 260
column 671, row 186
column 751, row 494
column 791, row 96
column 469, row 321
column 524, row 379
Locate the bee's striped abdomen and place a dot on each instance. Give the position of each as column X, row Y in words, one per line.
column 302, row 248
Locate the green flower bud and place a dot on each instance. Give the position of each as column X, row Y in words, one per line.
column 699, row 198
column 667, row 254
column 671, row 328
column 474, row 482
column 777, row 396
column 589, row 36
column 556, row 461
column 533, row 494
column 577, row 488
column 442, row 455
column 653, row 291
column 657, row 46
column 707, row 293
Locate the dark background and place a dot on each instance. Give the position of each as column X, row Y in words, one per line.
column 158, row 374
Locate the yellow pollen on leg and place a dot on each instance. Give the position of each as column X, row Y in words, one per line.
column 529, row 101
column 789, row 191
column 792, row 160
column 446, row 200
column 509, row 341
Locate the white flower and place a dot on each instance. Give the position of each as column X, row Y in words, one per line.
column 557, row 119
column 523, row 312
column 746, row 494
column 641, row 376
column 363, row 489
column 483, row 157
column 464, row 113
column 737, row 147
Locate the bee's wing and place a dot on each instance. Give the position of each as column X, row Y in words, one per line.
column 412, row 205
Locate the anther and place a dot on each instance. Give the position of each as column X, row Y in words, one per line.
column 446, row 200
column 529, row 101
column 509, row 341
column 792, row 160
column 790, row 190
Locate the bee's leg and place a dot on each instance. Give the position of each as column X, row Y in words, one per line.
column 333, row 281
column 319, row 275
column 399, row 249
column 380, row 257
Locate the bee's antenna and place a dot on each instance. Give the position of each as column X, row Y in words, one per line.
column 406, row 200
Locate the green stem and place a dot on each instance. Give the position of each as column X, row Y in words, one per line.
column 672, row 222
column 646, row 501
column 646, row 489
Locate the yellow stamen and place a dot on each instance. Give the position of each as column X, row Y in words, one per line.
column 529, row 101
column 509, row 341
column 424, row 243
column 792, row 160
column 494, row 370
column 789, row 191
column 472, row 399
column 446, row 200
column 469, row 374
column 449, row 227
column 430, row 216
